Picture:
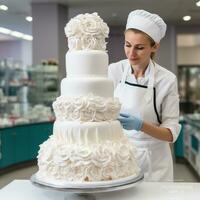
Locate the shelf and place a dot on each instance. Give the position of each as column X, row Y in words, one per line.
column 25, row 88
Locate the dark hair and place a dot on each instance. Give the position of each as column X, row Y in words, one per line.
column 152, row 42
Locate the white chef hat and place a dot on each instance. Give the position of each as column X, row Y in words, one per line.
column 151, row 24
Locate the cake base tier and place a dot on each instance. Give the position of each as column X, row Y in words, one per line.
column 63, row 161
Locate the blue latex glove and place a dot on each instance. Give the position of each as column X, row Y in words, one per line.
column 130, row 122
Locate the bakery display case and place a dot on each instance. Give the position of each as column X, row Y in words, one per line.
column 189, row 87
column 187, row 144
column 12, row 89
column 44, row 84
column 27, row 93
column 191, row 139
column 26, row 117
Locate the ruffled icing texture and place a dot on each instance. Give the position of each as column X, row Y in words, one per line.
column 108, row 161
column 87, row 108
column 86, row 32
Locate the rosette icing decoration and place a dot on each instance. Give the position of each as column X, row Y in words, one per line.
column 86, row 31
column 79, row 163
column 86, row 108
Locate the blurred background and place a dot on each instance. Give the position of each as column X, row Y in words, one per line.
column 32, row 63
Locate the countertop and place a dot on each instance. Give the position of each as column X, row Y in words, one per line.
column 25, row 190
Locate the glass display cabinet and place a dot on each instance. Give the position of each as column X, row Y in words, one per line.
column 189, row 87
column 27, row 93
column 188, row 144
column 26, row 117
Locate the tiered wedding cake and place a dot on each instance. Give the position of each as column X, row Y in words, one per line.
column 88, row 143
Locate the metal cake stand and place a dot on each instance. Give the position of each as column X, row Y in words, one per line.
column 87, row 191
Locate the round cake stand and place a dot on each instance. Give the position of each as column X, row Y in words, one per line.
column 83, row 193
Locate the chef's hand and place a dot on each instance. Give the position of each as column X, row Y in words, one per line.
column 130, row 122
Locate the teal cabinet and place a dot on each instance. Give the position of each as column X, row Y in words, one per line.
column 7, row 148
column 39, row 134
column 188, row 144
column 179, row 144
column 21, row 143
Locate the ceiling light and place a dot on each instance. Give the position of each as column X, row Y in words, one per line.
column 3, row 7
column 198, row 3
column 187, row 18
column 29, row 18
column 5, row 30
column 27, row 37
column 16, row 34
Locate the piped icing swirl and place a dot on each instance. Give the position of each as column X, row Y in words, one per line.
column 87, row 108
column 86, row 32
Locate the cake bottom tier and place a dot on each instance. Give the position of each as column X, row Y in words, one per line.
column 111, row 160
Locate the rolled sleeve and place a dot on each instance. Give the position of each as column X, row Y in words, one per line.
column 170, row 110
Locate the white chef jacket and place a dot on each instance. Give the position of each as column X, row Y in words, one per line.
column 167, row 98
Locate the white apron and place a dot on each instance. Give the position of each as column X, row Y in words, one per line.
column 153, row 155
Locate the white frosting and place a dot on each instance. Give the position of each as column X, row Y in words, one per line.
column 86, row 108
column 86, row 63
column 86, row 31
column 87, row 73
column 74, row 87
column 88, row 133
column 87, row 142
column 96, row 162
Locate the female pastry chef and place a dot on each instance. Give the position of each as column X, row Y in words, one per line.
column 149, row 96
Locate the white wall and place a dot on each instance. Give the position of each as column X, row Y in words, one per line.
column 44, row 31
column 188, row 42
column 26, row 53
column 10, row 49
column 188, row 55
column 19, row 50
column 49, row 40
column 166, row 55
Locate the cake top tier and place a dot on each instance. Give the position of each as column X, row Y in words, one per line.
column 86, row 32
